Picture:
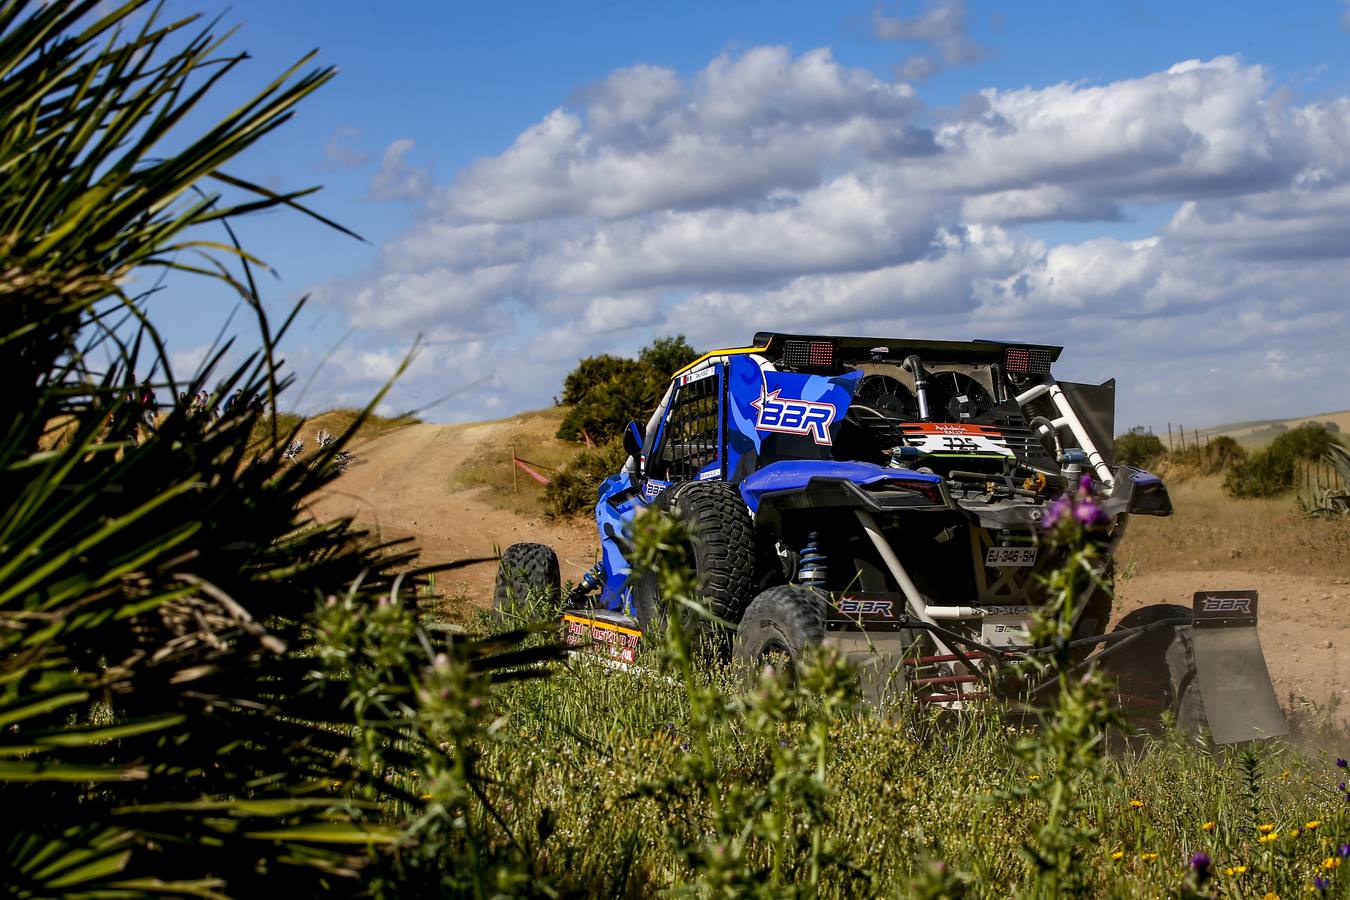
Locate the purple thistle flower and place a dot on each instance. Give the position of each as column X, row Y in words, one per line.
column 1085, row 486
column 1341, row 764
column 1321, row 883
column 1343, row 850
column 1341, row 787
column 1057, row 510
column 1200, row 862
column 1089, row 514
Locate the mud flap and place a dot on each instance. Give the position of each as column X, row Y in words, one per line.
column 1230, row 669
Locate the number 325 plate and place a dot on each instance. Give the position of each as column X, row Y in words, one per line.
column 1010, row 556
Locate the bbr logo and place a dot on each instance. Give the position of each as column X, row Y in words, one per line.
column 1226, row 604
column 789, row 416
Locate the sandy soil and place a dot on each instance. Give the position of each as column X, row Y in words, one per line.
column 405, row 483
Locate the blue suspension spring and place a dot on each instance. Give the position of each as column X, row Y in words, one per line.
column 811, row 571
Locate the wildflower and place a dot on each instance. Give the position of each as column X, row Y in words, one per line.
column 1313, row 825
column 1321, row 883
column 1331, row 862
column 1119, row 854
column 1266, row 828
column 1267, row 838
column 1033, row 778
column 1341, row 764
column 1208, row 826
column 1284, row 776
column 1137, row 804
column 1235, row 870
column 1200, row 862
column 1148, row 857
column 1271, row 895
column 1343, row 850
column 1295, row 832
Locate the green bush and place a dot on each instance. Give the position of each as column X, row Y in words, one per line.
column 1309, row 441
column 594, row 371
column 667, row 355
column 574, row 487
column 1270, row 472
column 607, row 392
column 1138, row 447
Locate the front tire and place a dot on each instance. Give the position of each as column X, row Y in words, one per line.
column 722, row 549
column 528, row 582
column 781, row 624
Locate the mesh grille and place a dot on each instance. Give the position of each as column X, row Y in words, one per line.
column 808, row 354
column 691, row 434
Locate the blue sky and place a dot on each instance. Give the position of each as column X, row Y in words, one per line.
column 1165, row 188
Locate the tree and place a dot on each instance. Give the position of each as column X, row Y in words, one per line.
column 1137, row 447
column 667, row 355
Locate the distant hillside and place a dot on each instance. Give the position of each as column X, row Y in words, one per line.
column 1261, row 432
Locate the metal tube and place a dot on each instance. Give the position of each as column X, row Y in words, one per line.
column 1068, row 416
column 913, row 599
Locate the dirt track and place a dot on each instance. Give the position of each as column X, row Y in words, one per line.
column 405, row 483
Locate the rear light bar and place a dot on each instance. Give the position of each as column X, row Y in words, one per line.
column 808, row 354
column 1027, row 360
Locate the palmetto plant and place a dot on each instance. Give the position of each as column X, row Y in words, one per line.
column 200, row 690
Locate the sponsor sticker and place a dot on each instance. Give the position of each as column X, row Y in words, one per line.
column 785, row 415
column 867, row 607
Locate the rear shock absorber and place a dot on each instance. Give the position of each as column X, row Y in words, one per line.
column 811, row 570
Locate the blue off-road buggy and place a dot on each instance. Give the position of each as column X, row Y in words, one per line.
column 885, row 496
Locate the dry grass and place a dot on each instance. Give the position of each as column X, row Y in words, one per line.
column 530, row 436
column 1218, row 532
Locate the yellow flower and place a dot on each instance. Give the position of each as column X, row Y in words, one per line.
column 1267, row 838
column 1284, row 776
column 1265, row 829
column 1294, row 832
column 1235, row 870
column 1331, row 862
column 1313, row 824
column 1119, row 854
column 1033, row 778
column 1137, row 804
column 1208, row 826
column 426, row 796
column 1148, row 857
column 1271, row 895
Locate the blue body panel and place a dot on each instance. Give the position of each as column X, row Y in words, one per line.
column 776, row 430
column 613, row 518
column 781, row 415
column 792, row 474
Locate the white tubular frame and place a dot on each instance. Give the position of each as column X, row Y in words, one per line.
column 913, row 598
column 1068, row 417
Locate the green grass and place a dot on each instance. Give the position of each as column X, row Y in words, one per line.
column 683, row 776
column 581, row 746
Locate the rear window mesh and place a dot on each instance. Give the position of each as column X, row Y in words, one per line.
column 691, row 432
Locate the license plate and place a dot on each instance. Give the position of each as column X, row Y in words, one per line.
column 1010, row 556
column 1005, row 631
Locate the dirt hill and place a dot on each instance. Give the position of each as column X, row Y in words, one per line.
column 451, row 487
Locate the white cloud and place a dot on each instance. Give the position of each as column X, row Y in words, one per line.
column 396, row 179
column 779, row 191
column 942, row 26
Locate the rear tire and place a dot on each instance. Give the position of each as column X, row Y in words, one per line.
column 528, row 582
column 722, row 550
column 1157, row 672
column 782, row 623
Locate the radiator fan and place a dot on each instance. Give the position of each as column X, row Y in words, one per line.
column 887, row 395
